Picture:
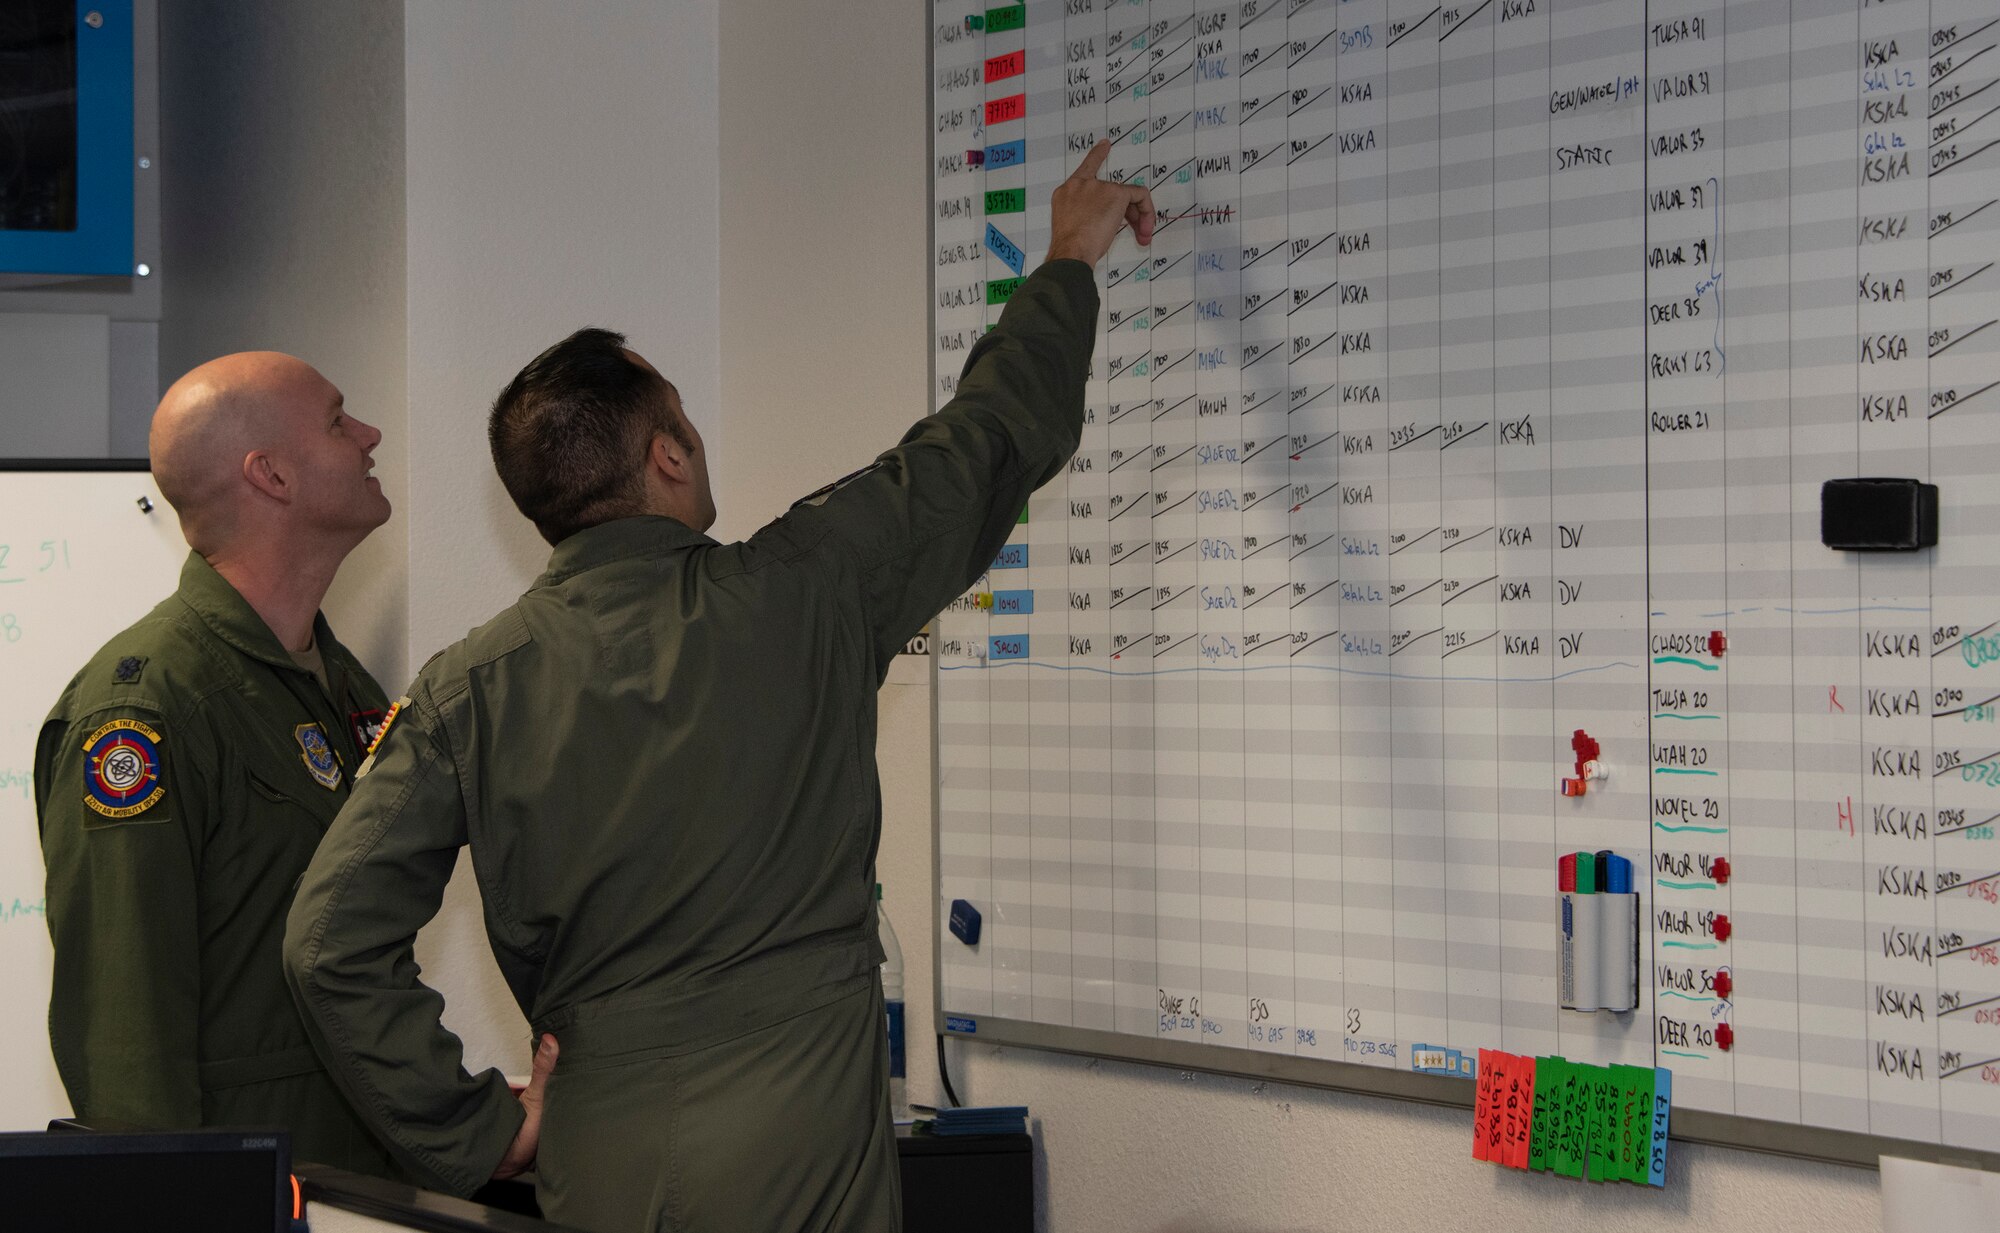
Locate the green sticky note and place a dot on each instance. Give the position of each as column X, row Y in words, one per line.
column 1012, row 17
column 1545, row 1145
column 1604, row 1132
column 1642, row 1130
column 1006, row 201
column 1575, row 1099
column 1000, row 290
column 1022, row 521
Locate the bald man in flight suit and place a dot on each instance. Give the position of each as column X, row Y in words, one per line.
column 189, row 770
column 663, row 758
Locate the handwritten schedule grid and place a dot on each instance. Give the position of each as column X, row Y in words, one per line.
column 1477, row 392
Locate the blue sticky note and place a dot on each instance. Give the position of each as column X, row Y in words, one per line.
column 1663, row 1103
column 1013, row 603
column 1007, row 646
column 1005, row 249
column 1012, row 556
column 1006, row 154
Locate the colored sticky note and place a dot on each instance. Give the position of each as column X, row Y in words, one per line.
column 1575, row 1099
column 1012, row 64
column 1663, row 1100
column 1012, row 556
column 1006, row 200
column 1538, row 1119
column 1013, row 603
column 1007, row 646
column 1524, row 1123
column 1009, row 17
column 1005, row 153
column 1482, row 1093
column 1005, row 249
column 1002, row 110
column 1000, row 290
column 1022, row 521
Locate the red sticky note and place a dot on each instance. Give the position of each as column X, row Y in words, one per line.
column 1482, row 1093
column 1524, row 1071
column 1001, row 110
column 1013, row 64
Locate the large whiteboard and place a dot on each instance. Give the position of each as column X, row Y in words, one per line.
column 1490, row 359
column 79, row 561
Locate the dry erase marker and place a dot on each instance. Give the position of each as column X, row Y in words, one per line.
column 1618, row 937
column 1582, row 937
column 1566, row 931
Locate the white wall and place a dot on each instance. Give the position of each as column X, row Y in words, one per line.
column 282, row 207
column 1121, row 1147
column 562, row 166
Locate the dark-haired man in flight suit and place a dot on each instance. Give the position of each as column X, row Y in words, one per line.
column 663, row 758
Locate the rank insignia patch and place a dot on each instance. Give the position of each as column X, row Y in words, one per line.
column 128, row 669
column 366, row 726
column 123, row 775
column 317, row 754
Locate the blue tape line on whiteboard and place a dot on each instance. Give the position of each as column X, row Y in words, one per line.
column 956, row 1023
column 1007, row 646
column 1006, row 154
column 1013, row 603
column 1012, row 556
column 1005, row 249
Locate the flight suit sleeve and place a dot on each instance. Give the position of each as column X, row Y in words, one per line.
column 378, row 877
column 926, row 518
column 121, row 804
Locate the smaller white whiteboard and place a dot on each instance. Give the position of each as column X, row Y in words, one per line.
column 79, row 561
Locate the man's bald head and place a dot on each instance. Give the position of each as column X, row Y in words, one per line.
column 211, row 420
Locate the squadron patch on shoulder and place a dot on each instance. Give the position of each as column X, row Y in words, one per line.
column 381, row 730
column 317, row 754
column 128, row 669
column 122, row 777
column 819, row 498
column 366, row 726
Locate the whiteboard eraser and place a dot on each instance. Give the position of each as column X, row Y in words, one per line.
column 965, row 922
column 1878, row 515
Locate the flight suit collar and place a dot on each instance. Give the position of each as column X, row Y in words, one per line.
column 618, row 540
column 224, row 610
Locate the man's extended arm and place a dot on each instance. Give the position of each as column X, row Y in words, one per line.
column 378, row 877
column 927, row 517
column 125, row 1006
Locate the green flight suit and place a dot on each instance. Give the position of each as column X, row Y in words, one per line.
column 663, row 758
column 181, row 785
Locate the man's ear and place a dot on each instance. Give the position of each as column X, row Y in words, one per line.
column 261, row 470
column 667, row 456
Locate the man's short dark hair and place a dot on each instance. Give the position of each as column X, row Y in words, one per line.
column 571, row 430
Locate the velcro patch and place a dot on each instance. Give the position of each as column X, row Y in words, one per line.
column 121, row 778
column 128, row 669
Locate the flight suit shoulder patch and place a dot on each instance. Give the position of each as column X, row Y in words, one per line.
column 381, row 731
column 122, row 776
column 128, row 668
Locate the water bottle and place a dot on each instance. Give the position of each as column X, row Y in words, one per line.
column 892, row 994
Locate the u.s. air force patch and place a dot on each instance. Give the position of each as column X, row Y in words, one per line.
column 317, row 754
column 123, row 775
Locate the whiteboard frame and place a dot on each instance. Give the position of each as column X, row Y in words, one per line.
column 1797, row 1140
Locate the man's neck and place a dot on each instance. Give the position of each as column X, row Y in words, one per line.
column 284, row 585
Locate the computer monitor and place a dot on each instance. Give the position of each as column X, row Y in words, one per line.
column 201, row 1181
column 66, row 141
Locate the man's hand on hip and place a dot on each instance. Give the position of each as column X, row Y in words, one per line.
column 521, row 1152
